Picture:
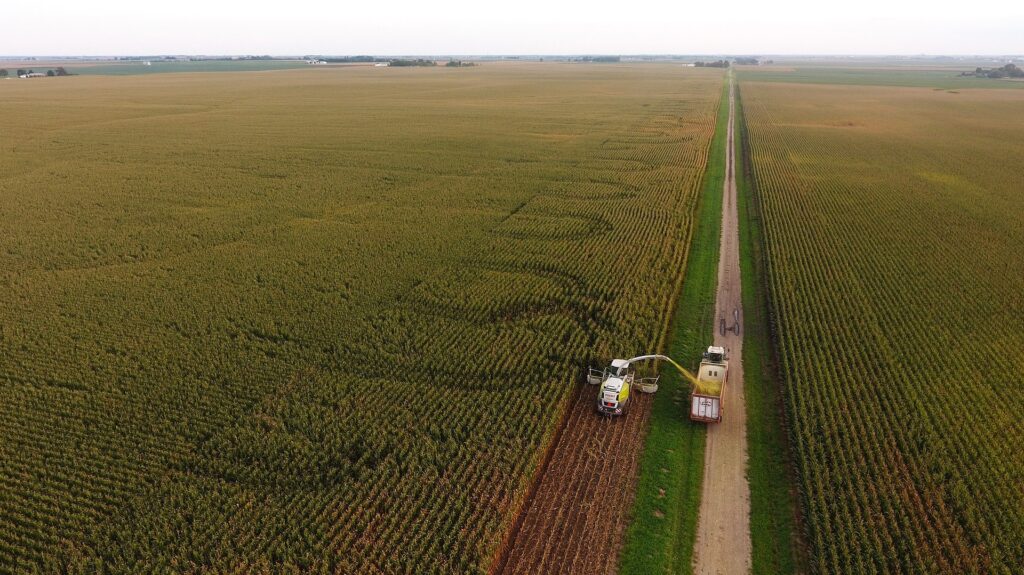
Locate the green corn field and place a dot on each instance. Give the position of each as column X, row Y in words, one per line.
column 292, row 321
column 892, row 233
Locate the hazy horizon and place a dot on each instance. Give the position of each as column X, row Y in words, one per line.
column 513, row 55
column 533, row 28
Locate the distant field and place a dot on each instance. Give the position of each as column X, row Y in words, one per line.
column 881, row 76
column 894, row 228
column 132, row 68
column 320, row 321
column 157, row 67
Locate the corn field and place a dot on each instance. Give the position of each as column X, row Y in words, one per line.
column 320, row 321
column 893, row 230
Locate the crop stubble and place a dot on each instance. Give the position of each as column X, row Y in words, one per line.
column 575, row 520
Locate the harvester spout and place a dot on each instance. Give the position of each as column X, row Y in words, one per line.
column 685, row 372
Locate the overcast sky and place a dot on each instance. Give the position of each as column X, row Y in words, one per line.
column 395, row 27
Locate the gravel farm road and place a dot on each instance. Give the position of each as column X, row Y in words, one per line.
column 723, row 527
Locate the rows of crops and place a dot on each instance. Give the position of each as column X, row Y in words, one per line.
column 319, row 321
column 894, row 224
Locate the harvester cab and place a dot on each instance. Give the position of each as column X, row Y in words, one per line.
column 616, row 381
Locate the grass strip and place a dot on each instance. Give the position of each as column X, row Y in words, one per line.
column 663, row 527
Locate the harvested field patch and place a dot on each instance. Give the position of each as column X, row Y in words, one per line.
column 576, row 518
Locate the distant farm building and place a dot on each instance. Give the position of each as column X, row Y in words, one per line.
column 316, row 62
column 33, row 75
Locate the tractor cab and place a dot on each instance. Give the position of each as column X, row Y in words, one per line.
column 715, row 354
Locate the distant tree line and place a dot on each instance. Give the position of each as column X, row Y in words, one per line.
column 193, row 58
column 416, row 62
column 1007, row 71
column 747, row 61
column 599, row 59
column 221, row 58
column 715, row 64
column 459, row 64
column 58, row 71
column 374, row 59
column 349, row 59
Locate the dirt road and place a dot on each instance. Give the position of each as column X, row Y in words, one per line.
column 576, row 520
column 723, row 528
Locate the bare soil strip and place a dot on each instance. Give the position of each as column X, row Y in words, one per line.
column 575, row 521
column 723, row 528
